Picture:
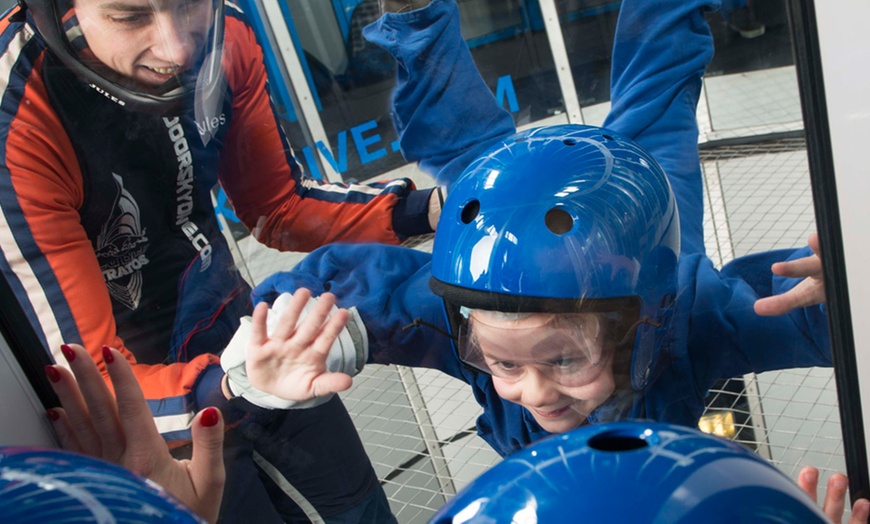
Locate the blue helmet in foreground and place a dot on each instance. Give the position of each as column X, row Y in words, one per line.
column 632, row 472
column 48, row 485
column 563, row 219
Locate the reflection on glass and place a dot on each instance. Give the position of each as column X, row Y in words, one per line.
column 353, row 79
column 757, row 198
column 588, row 27
column 119, row 119
column 751, row 82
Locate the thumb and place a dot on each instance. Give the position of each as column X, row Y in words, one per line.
column 331, row 383
column 206, row 466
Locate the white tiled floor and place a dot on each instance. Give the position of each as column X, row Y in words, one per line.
column 755, row 103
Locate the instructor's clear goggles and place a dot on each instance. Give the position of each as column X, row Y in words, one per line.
column 82, row 32
column 571, row 349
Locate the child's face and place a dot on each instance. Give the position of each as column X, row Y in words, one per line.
column 558, row 367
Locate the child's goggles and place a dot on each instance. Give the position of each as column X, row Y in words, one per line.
column 571, row 349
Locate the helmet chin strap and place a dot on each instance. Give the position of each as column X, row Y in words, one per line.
column 645, row 321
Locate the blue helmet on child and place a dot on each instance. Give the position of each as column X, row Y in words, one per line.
column 48, row 485
column 563, row 219
column 632, row 472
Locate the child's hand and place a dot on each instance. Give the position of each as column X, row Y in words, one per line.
column 809, row 292
column 835, row 496
column 291, row 364
column 123, row 431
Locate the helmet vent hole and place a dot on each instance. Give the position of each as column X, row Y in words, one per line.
column 470, row 211
column 569, row 142
column 558, row 221
column 615, row 443
column 607, row 137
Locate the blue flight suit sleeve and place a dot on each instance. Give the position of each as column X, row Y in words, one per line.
column 726, row 338
column 660, row 52
column 446, row 115
column 389, row 286
column 443, row 111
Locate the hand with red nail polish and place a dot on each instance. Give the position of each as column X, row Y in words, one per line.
column 120, row 429
column 835, row 496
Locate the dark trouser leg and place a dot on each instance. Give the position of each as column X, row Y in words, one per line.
column 245, row 497
column 316, row 453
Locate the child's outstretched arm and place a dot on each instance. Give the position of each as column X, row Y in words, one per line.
column 759, row 312
column 443, row 110
column 291, row 363
column 809, row 292
column 295, row 355
column 660, row 52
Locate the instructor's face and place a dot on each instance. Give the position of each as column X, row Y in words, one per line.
column 146, row 41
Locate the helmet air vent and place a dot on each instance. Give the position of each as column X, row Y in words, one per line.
column 558, row 221
column 617, row 441
column 470, row 211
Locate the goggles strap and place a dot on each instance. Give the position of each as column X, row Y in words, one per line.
column 420, row 322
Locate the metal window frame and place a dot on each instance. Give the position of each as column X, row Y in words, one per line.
column 26, row 391
column 824, row 34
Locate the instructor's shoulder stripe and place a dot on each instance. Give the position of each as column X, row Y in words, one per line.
column 32, row 282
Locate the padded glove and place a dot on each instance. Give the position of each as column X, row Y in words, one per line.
column 347, row 355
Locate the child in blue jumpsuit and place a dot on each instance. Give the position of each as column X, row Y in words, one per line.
column 568, row 227
column 565, row 302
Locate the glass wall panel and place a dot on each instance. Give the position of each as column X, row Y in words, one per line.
column 757, row 195
column 418, row 426
column 751, row 87
column 352, row 79
column 588, row 27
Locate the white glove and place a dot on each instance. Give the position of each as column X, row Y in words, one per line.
column 347, row 355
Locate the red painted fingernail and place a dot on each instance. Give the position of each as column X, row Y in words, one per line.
column 209, row 417
column 52, row 414
column 68, row 353
column 52, row 373
column 108, row 357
